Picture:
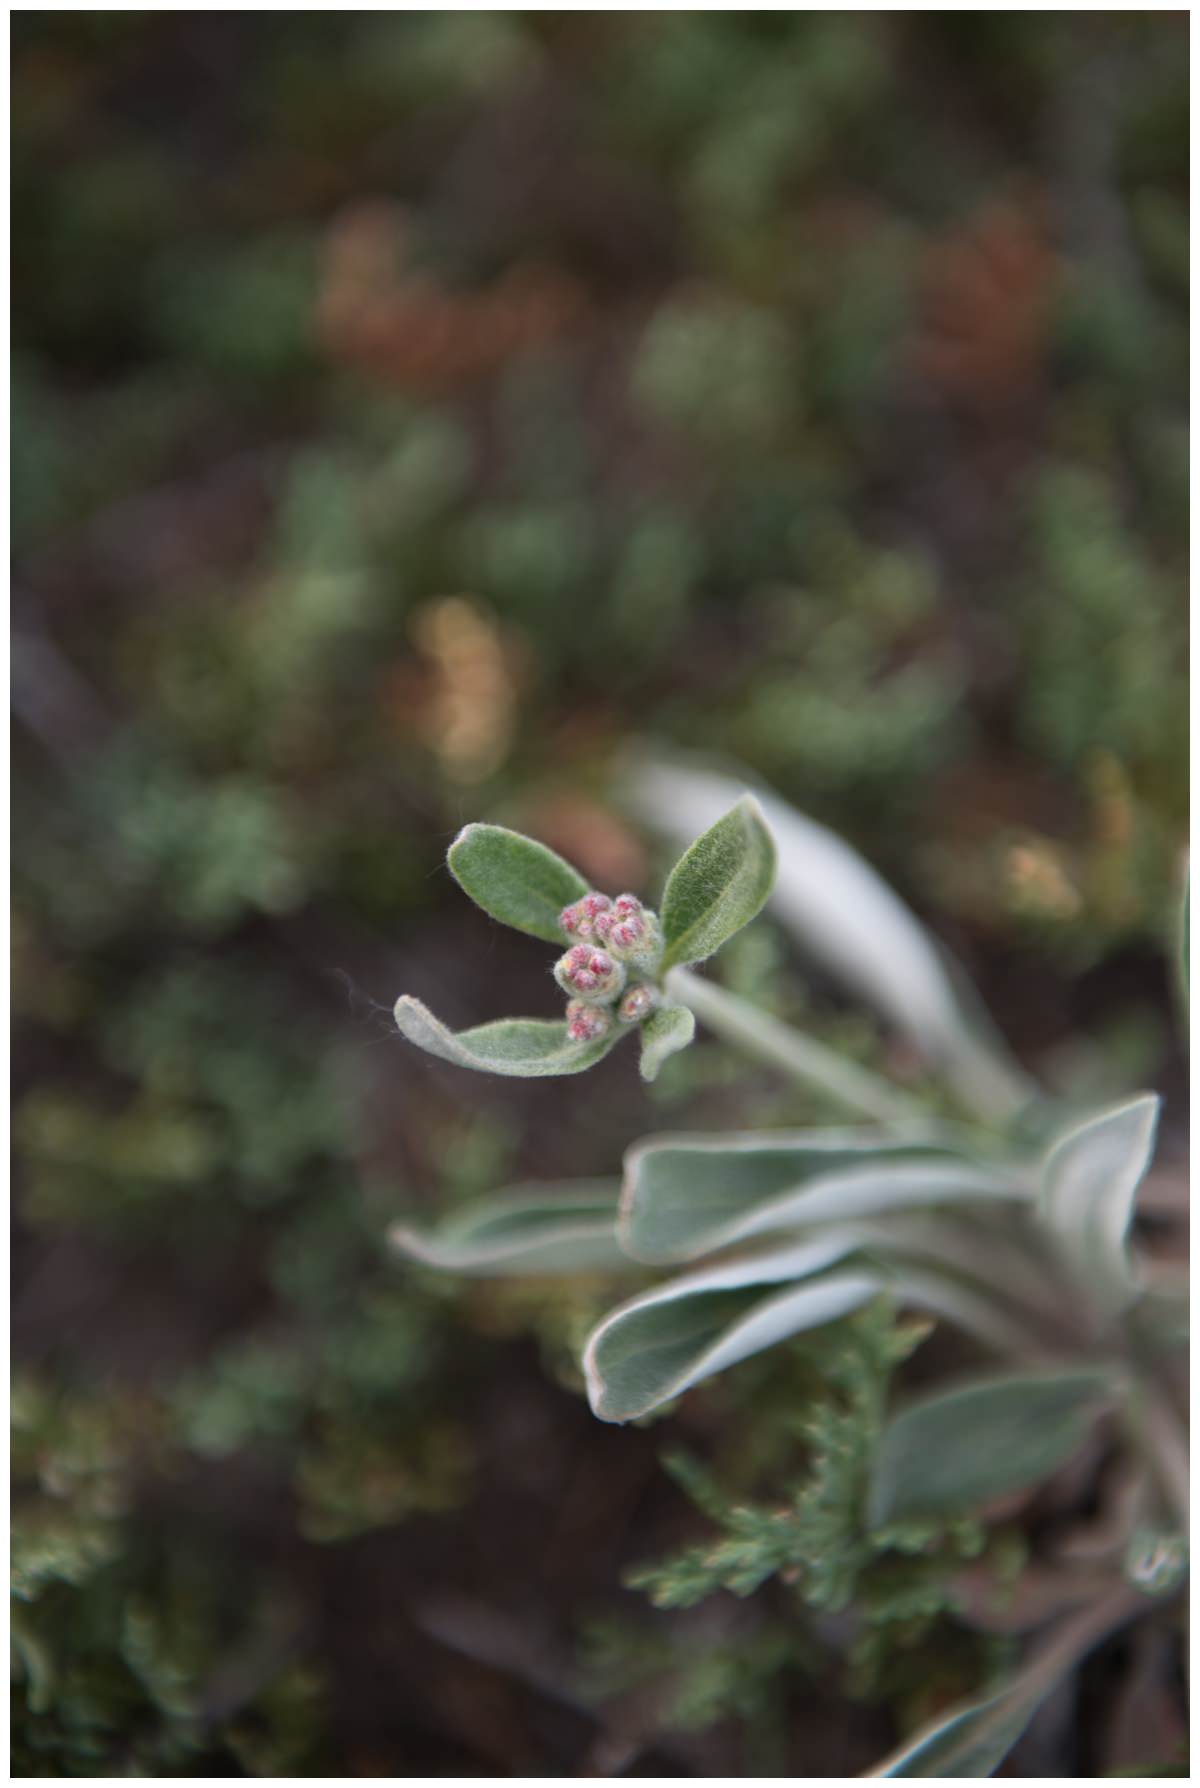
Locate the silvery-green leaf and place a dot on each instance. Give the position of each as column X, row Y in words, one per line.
column 718, row 885
column 847, row 917
column 685, row 1196
column 517, row 1046
column 515, row 879
column 941, row 1292
column 666, row 1340
column 669, row 1029
column 659, row 1344
column 1089, row 1182
column 972, row 1741
column 983, row 1249
column 535, row 1229
column 982, row 1439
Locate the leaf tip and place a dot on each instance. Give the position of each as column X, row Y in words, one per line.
column 594, row 1381
column 404, row 1240
column 460, row 840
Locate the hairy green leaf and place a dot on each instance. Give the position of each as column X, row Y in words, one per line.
column 659, row 1344
column 524, row 1230
column 684, row 1196
column 669, row 1029
column 718, row 885
column 982, row 1439
column 515, row 879
column 1090, row 1179
column 517, row 1046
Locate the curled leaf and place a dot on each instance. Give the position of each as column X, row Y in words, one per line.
column 719, row 884
column 525, row 1047
column 661, row 1343
column 525, row 1230
column 515, row 879
column 1090, row 1180
column 665, row 1032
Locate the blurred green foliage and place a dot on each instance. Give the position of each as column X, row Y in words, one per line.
column 408, row 408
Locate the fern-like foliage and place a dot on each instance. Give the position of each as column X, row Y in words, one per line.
column 816, row 1538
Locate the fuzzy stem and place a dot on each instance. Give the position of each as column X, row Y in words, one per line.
column 797, row 1055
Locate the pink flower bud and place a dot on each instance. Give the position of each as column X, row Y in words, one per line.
column 638, row 1003
column 580, row 920
column 590, row 972
column 625, row 911
column 586, row 1023
column 630, row 931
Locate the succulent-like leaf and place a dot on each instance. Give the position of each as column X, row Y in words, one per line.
column 961, row 1447
column 531, row 1229
column 517, row 1046
column 664, row 1341
column 848, row 918
column 669, row 1029
column 718, row 885
column 685, row 1196
column 515, row 879
column 1089, row 1183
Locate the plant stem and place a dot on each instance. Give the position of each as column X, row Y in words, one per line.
column 1081, row 1633
column 1164, row 1446
column 782, row 1047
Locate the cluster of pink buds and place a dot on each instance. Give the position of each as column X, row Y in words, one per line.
column 582, row 919
column 623, row 923
column 585, row 1024
column 608, row 938
column 589, row 972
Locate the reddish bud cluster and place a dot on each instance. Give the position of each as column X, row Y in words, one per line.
column 627, row 928
column 583, row 918
column 586, row 1023
column 606, row 936
column 590, row 972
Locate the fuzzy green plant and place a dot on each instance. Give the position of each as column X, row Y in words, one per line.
column 1010, row 1221
column 619, row 953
